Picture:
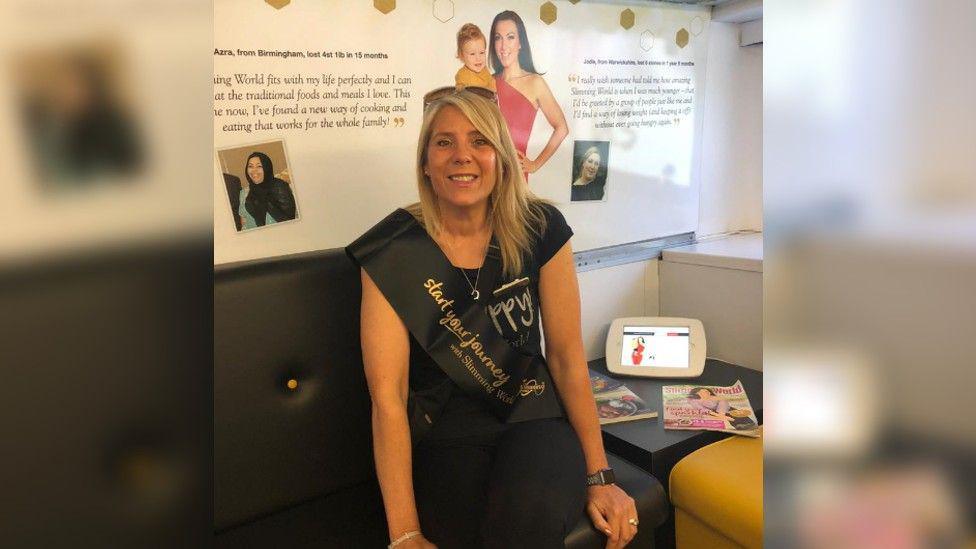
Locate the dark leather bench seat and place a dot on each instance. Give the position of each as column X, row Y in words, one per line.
column 293, row 466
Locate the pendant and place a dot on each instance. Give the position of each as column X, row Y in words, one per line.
column 475, row 294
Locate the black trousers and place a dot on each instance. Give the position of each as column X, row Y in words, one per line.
column 517, row 485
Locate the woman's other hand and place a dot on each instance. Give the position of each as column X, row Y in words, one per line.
column 610, row 508
column 528, row 165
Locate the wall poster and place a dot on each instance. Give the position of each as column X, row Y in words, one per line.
column 599, row 97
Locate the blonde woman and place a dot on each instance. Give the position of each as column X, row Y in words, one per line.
column 479, row 440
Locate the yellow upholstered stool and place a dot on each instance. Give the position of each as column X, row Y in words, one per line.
column 717, row 492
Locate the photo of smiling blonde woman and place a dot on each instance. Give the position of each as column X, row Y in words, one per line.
column 590, row 159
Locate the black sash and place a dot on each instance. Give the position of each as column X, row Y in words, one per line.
column 434, row 302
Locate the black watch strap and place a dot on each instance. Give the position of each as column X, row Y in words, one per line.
column 601, row 478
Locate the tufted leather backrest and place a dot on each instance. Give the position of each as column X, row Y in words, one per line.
column 275, row 320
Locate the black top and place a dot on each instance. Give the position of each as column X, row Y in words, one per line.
column 591, row 191
column 274, row 197
column 462, row 414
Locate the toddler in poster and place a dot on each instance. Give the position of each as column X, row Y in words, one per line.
column 471, row 50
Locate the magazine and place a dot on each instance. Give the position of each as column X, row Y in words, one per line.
column 709, row 407
column 615, row 402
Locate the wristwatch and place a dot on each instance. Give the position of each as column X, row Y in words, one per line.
column 601, row 478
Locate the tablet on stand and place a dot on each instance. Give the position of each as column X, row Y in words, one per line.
column 659, row 347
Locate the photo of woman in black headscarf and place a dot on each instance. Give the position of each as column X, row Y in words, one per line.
column 267, row 196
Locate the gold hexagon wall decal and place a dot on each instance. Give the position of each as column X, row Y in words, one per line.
column 384, row 6
column 443, row 10
column 547, row 13
column 278, row 4
column 627, row 18
column 574, row 1
column 647, row 40
column 681, row 38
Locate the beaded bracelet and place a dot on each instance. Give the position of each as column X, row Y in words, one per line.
column 403, row 538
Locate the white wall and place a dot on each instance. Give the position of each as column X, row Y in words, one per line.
column 720, row 283
column 731, row 184
column 731, row 172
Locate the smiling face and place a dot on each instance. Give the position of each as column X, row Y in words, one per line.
column 472, row 54
column 255, row 170
column 506, row 41
column 591, row 166
column 460, row 161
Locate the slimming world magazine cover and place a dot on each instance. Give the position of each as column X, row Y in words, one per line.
column 709, row 407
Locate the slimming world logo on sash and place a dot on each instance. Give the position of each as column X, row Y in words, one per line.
column 532, row 386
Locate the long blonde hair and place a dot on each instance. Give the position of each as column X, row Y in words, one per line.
column 515, row 213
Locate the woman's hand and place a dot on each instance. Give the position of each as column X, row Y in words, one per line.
column 610, row 508
column 528, row 165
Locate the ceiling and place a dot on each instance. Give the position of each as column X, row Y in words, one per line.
column 727, row 11
column 697, row 2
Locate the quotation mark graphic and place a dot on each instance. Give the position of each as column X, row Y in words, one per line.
column 399, row 122
column 573, row 78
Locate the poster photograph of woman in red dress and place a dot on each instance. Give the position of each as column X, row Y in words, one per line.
column 522, row 91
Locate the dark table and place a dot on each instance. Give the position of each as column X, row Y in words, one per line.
column 645, row 442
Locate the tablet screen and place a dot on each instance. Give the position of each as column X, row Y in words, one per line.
column 657, row 346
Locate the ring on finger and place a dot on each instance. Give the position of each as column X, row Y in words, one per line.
column 633, row 522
